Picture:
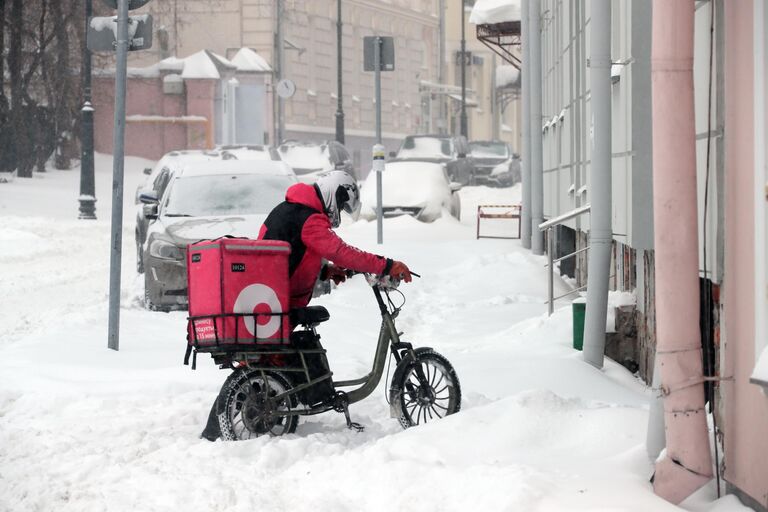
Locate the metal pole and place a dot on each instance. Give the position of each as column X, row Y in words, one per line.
column 537, row 174
column 687, row 462
column 551, row 259
column 600, row 232
column 118, row 144
column 280, row 72
column 463, row 115
column 87, row 197
column 339, row 106
column 379, row 212
column 441, row 71
column 494, row 101
column 525, row 213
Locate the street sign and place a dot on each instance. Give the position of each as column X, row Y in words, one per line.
column 387, row 61
column 102, row 33
column 132, row 4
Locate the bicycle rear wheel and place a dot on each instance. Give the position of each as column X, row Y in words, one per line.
column 247, row 407
column 425, row 389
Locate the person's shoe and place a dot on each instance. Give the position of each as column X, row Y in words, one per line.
column 210, row 436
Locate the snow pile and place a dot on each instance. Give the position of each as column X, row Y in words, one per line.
column 84, row 428
column 507, row 75
column 306, row 156
column 425, row 147
column 488, row 12
column 616, row 300
column 761, row 368
column 408, row 184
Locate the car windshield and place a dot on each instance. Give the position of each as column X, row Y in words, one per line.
column 489, row 149
column 240, row 194
column 306, row 158
column 426, row 147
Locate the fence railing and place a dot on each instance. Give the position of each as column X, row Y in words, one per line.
column 549, row 226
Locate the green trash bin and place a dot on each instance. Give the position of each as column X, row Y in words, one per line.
column 579, row 310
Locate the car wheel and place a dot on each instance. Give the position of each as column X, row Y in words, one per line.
column 148, row 304
column 456, row 207
column 139, row 256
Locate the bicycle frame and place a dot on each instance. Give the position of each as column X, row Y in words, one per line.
column 389, row 340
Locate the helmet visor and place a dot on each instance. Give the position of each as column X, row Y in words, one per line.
column 352, row 204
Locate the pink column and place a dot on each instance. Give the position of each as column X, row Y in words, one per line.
column 687, row 464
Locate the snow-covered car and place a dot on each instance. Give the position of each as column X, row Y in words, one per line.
column 308, row 159
column 159, row 176
column 495, row 163
column 419, row 189
column 443, row 149
column 230, row 152
column 204, row 200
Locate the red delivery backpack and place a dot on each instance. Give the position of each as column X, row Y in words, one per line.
column 238, row 293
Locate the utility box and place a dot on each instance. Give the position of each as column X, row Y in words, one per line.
column 238, row 292
column 579, row 311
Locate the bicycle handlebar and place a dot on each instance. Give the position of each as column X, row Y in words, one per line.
column 384, row 281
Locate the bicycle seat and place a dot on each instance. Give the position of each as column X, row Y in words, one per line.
column 309, row 316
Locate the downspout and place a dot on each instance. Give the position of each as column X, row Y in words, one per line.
column 537, row 152
column 600, row 192
column 525, row 214
column 687, row 464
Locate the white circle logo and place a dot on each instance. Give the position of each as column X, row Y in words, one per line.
column 250, row 298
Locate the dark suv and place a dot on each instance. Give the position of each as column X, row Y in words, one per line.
column 445, row 149
column 495, row 163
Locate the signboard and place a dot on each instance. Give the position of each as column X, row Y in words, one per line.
column 387, row 62
column 132, row 4
column 102, row 33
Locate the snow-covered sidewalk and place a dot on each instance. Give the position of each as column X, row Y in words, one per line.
column 83, row 428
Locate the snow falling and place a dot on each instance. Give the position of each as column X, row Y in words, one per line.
column 84, row 428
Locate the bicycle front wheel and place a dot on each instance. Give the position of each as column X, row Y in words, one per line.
column 425, row 389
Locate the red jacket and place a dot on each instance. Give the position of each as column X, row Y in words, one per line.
column 300, row 221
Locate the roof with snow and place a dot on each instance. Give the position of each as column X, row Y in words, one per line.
column 204, row 64
column 249, row 61
column 491, row 12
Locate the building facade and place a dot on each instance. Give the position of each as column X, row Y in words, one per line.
column 309, row 58
column 729, row 71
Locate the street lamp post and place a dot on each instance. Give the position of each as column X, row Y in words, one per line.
column 339, row 106
column 463, row 117
column 87, row 197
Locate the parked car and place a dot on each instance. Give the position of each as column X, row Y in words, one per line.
column 204, row 200
column 443, row 149
column 308, row 159
column 416, row 188
column 495, row 163
column 159, row 176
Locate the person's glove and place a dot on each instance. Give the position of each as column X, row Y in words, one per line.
column 400, row 271
column 337, row 274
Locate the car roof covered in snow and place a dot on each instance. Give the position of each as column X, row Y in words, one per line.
column 202, row 168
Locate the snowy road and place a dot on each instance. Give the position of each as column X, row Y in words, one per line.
column 83, row 428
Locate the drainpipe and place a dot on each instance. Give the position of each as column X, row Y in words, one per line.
column 600, row 231
column 525, row 214
column 687, row 464
column 537, row 174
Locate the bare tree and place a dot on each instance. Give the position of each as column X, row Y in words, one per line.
column 43, row 67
